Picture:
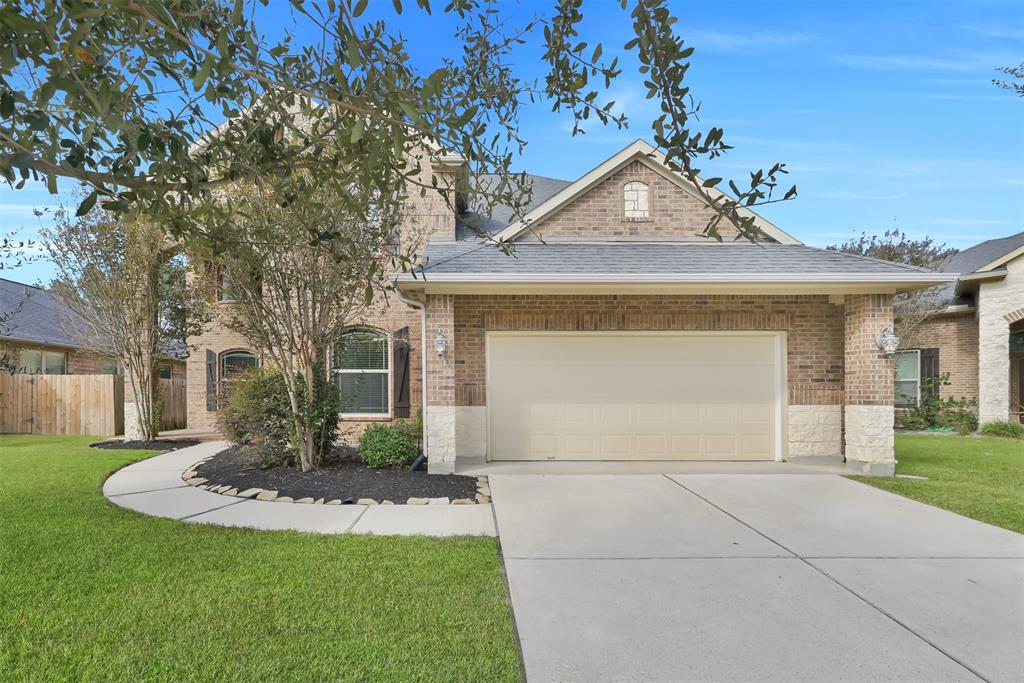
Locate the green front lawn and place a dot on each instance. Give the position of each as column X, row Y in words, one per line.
column 978, row 477
column 91, row 591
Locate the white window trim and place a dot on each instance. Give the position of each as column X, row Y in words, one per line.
column 387, row 371
column 917, row 353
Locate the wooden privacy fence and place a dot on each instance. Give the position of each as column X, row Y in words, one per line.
column 173, row 415
column 61, row 404
column 76, row 404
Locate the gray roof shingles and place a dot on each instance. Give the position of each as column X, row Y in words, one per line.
column 34, row 314
column 969, row 260
column 633, row 258
column 542, row 189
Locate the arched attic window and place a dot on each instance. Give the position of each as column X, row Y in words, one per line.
column 636, row 202
column 362, row 364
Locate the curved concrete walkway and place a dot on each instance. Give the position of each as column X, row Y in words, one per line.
column 154, row 487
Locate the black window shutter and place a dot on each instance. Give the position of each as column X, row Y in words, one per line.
column 930, row 371
column 400, row 355
column 211, row 380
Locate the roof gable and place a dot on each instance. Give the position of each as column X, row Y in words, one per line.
column 590, row 207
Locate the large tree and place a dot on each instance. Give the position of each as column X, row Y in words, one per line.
column 913, row 308
column 117, row 276
column 122, row 95
column 291, row 294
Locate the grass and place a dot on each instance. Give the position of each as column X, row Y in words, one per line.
column 978, row 477
column 91, row 591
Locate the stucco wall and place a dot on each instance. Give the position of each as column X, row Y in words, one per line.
column 997, row 303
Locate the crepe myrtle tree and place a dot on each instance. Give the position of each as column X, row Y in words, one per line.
column 120, row 277
column 154, row 105
column 290, row 292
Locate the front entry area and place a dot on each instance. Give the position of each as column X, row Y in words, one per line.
column 635, row 395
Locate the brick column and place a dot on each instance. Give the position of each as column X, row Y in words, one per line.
column 868, row 386
column 440, row 378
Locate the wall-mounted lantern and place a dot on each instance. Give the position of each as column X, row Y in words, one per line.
column 440, row 342
column 887, row 341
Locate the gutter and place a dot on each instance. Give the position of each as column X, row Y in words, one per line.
column 683, row 278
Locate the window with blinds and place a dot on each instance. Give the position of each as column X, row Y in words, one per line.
column 908, row 378
column 362, row 368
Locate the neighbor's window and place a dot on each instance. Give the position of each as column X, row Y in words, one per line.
column 39, row 362
column 636, row 200
column 908, row 378
column 362, row 367
column 110, row 367
column 226, row 292
column 233, row 363
column 164, row 371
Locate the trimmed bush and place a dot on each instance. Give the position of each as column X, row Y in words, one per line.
column 387, row 446
column 1004, row 428
column 257, row 416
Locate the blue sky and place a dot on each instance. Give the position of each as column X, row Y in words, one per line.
column 883, row 111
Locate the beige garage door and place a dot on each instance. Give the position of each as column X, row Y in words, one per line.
column 633, row 396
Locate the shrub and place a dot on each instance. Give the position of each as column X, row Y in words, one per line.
column 257, row 415
column 935, row 412
column 1004, row 428
column 387, row 446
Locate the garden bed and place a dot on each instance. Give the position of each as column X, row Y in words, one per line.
column 340, row 479
column 156, row 445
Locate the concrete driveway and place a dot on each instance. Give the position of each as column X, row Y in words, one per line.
column 754, row 578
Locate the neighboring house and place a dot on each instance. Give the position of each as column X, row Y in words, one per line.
column 37, row 336
column 623, row 335
column 976, row 335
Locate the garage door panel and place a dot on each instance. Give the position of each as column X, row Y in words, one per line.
column 631, row 396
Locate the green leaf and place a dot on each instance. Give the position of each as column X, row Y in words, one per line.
column 360, row 7
column 711, row 182
column 87, row 204
column 398, row 5
column 357, row 131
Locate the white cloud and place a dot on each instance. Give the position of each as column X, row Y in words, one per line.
column 997, row 31
column 744, row 41
column 958, row 61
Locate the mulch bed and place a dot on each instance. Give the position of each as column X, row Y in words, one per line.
column 341, row 477
column 158, row 445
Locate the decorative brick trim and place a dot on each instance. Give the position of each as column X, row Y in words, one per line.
column 1014, row 316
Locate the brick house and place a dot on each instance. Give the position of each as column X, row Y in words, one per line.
column 616, row 332
column 976, row 333
column 37, row 336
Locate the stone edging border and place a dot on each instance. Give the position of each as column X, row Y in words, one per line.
column 192, row 478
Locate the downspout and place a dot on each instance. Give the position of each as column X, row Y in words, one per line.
column 423, row 371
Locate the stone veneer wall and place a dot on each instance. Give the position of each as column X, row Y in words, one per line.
column 869, row 386
column 956, row 338
column 814, row 430
column 598, row 213
column 999, row 304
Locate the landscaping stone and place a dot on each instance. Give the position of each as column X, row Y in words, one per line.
column 189, row 475
column 307, row 499
column 195, row 481
column 284, row 499
column 481, row 498
column 222, row 489
column 366, row 501
column 249, row 493
column 318, row 501
column 463, row 501
column 417, row 501
column 486, row 490
column 439, row 501
column 386, row 502
column 266, row 495
column 231, row 492
column 336, row 501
